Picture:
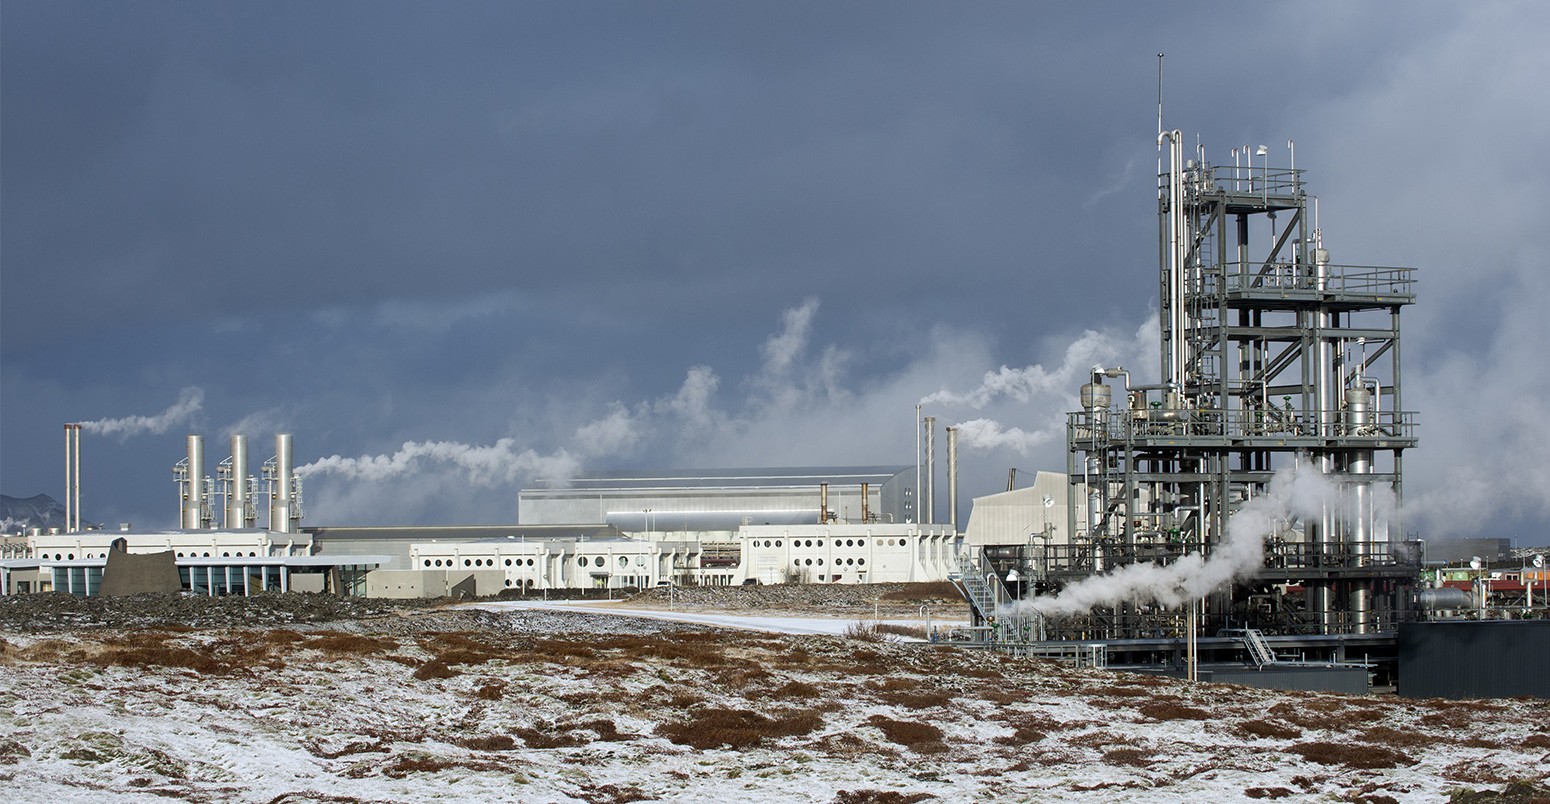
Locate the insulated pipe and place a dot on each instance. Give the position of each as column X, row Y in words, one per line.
column 952, row 477
column 928, row 504
column 1358, row 417
column 237, row 491
column 194, row 491
column 68, row 478
column 1177, row 315
column 280, row 491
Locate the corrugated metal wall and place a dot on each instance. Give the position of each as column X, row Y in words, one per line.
column 1475, row 659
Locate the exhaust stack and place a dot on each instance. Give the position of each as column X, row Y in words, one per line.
column 192, row 480
column 952, row 477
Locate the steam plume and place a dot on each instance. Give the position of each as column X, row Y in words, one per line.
column 190, row 400
column 1292, row 493
column 990, row 434
column 500, row 462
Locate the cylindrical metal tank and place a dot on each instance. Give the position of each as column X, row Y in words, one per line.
column 952, row 477
column 193, row 492
column 280, row 491
column 237, row 488
column 1445, row 597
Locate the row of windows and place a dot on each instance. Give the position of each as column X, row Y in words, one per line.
column 251, row 554
column 809, row 562
column 837, row 542
column 477, row 562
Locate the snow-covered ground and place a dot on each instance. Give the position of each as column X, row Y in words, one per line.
column 550, row 704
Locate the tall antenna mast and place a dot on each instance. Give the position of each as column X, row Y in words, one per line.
column 1159, row 120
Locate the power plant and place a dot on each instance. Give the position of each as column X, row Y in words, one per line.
column 1242, row 514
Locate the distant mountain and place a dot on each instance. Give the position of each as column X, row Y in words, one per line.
column 39, row 511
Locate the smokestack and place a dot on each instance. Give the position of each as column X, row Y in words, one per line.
column 69, row 478
column 952, row 477
column 194, row 489
column 237, row 488
column 280, row 483
column 866, row 489
column 928, row 499
column 823, row 503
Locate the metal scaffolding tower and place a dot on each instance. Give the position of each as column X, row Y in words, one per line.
column 1271, row 355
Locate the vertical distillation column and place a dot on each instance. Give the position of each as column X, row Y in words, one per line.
column 928, row 499
column 279, row 474
column 1175, row 348
column 192, row 482
column 952, row 478
column 1358, row 408
column 234, row 478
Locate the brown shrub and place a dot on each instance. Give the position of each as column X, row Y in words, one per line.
column 916, row 699
column 893, row 629
column 550, row 737
column 352, row 644
column 492, row 742
column 1351, row 755
column 491, row 690
column 1172, row 710
column 160, row 656
column 922, row 738
column 1536, row 741
column 1268, row 728
column 878, row 797
column 435, row 668
column 1394, row 738
column 1267, row 792
column 795, row 690
column 929, row 590
column 612, row 794
column 1128, row 756
column 737, row 728
column 606, row 730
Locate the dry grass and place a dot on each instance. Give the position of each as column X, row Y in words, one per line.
column 492, row 742
column 1268, row 728
column 1267, row 792
column 1172, row 710
column 1351, row 755
column 738, row 728
column 879, row 797
column 1128, row 756
column 352, row 644
column 922, row 738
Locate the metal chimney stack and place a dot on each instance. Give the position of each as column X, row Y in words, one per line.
column 194, row 491
column 237, row 490
column 866, row 513
column 952, row 477
column 823, row 503
column 72, row 478
column 280, row 503
column 928, row 499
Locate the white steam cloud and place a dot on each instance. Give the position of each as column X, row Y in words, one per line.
column 989, row 434
column 1026, row 384
column 190, row 400
column 501, row 462
column 1293, row 493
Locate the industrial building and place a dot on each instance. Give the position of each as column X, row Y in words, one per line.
column 1271, row 356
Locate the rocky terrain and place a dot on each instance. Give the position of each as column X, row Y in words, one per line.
column 293, row 698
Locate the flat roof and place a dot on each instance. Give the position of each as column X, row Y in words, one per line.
column 724, row 478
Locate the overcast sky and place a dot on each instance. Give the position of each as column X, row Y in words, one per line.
column 454, row 246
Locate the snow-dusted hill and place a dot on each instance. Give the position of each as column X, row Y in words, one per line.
column 541, row 706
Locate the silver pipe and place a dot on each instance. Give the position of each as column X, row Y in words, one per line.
column 928, row 516
column 952, row 477
column 67, row 477
column 237, row 488
column 280, row 490
column 193, row 495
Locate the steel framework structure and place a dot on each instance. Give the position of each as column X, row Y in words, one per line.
column 1271, row 356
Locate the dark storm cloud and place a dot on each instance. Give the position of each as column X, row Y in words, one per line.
column 577, row 226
